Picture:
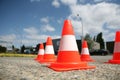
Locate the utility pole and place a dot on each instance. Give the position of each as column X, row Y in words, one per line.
column 82, row 38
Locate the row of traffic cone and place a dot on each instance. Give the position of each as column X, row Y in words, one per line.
column 68, row 55
column 47, row 55
column 49, row 52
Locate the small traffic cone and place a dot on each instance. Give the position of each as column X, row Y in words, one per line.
column 68, row 56
column 116, row 54
column 49, row 56
column 85, row 56
column 40, row 53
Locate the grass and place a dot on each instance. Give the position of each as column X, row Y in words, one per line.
column 16, row 55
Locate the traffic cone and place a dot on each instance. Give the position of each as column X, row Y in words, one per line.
column 116, row 54
column 68, row 56
column 49, row 56
column 40, row 53
column 85, row 56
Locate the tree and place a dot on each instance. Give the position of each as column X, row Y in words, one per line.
column 94, row 38
column 100, row 40
column 89, row 40
column 22, row 49
column 2, row 49
column 37, row 47
column 13, row 48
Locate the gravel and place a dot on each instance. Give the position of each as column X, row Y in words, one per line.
column 21, row 68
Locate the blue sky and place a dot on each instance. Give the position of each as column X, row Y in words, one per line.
column 29, row 22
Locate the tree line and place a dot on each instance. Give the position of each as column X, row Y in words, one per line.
column 98, row 38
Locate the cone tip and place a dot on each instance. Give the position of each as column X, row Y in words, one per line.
column 67, row 28
column 49, row 41
column 41, row 46
column 117, row 38
column 84, row 44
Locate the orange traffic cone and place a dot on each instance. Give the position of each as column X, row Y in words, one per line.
column 85, row 56
column 68, row 56
column 49, row 56
column 40, row 53
column 116, row 55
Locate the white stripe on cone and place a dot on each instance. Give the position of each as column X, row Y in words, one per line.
column 117, row 47
column 49, row 49
column 68, row 43
column 85, row 51
column 41, row 52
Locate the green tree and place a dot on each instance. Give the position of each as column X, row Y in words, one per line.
column 100, row 40
column 37, row 47
column 89, row 40
column 13, row 48
column 94, row 38
column 2, row 49
column 22, row 49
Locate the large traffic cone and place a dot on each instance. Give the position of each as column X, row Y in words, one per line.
column 49, row 56
column 85, row 56
column 68, row 56
column 116, row 54
column 40, row 53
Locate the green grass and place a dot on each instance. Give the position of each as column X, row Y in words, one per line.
column 16, row 55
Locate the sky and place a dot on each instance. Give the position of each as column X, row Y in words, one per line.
column 30, row 22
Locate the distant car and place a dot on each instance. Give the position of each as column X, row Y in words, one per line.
column 102, row 52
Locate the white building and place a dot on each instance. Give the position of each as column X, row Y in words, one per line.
column 96, row 45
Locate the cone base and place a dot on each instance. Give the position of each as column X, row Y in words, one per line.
column 47, row 61
column 39, row 57
column 86, row 58
column 39, row 60
column 114, row 61
column 70, row 66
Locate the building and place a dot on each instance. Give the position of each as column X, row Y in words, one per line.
column 110, row 46
column 56, row 43
column 96, row 45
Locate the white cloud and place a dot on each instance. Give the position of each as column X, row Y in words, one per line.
column 41, row 37
column 34, row 0
column 33, row 36
column 60, row 21
column 8, row 38
column 36, row 36
column 35, row 39
column 109, row 35
column 94, row 16
column 31, row 30
column 101, row 0
column 47, row 27
column 98, row 0
column 81, row 1
column 69, row 2
column 44, row 20
column 56, row 3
